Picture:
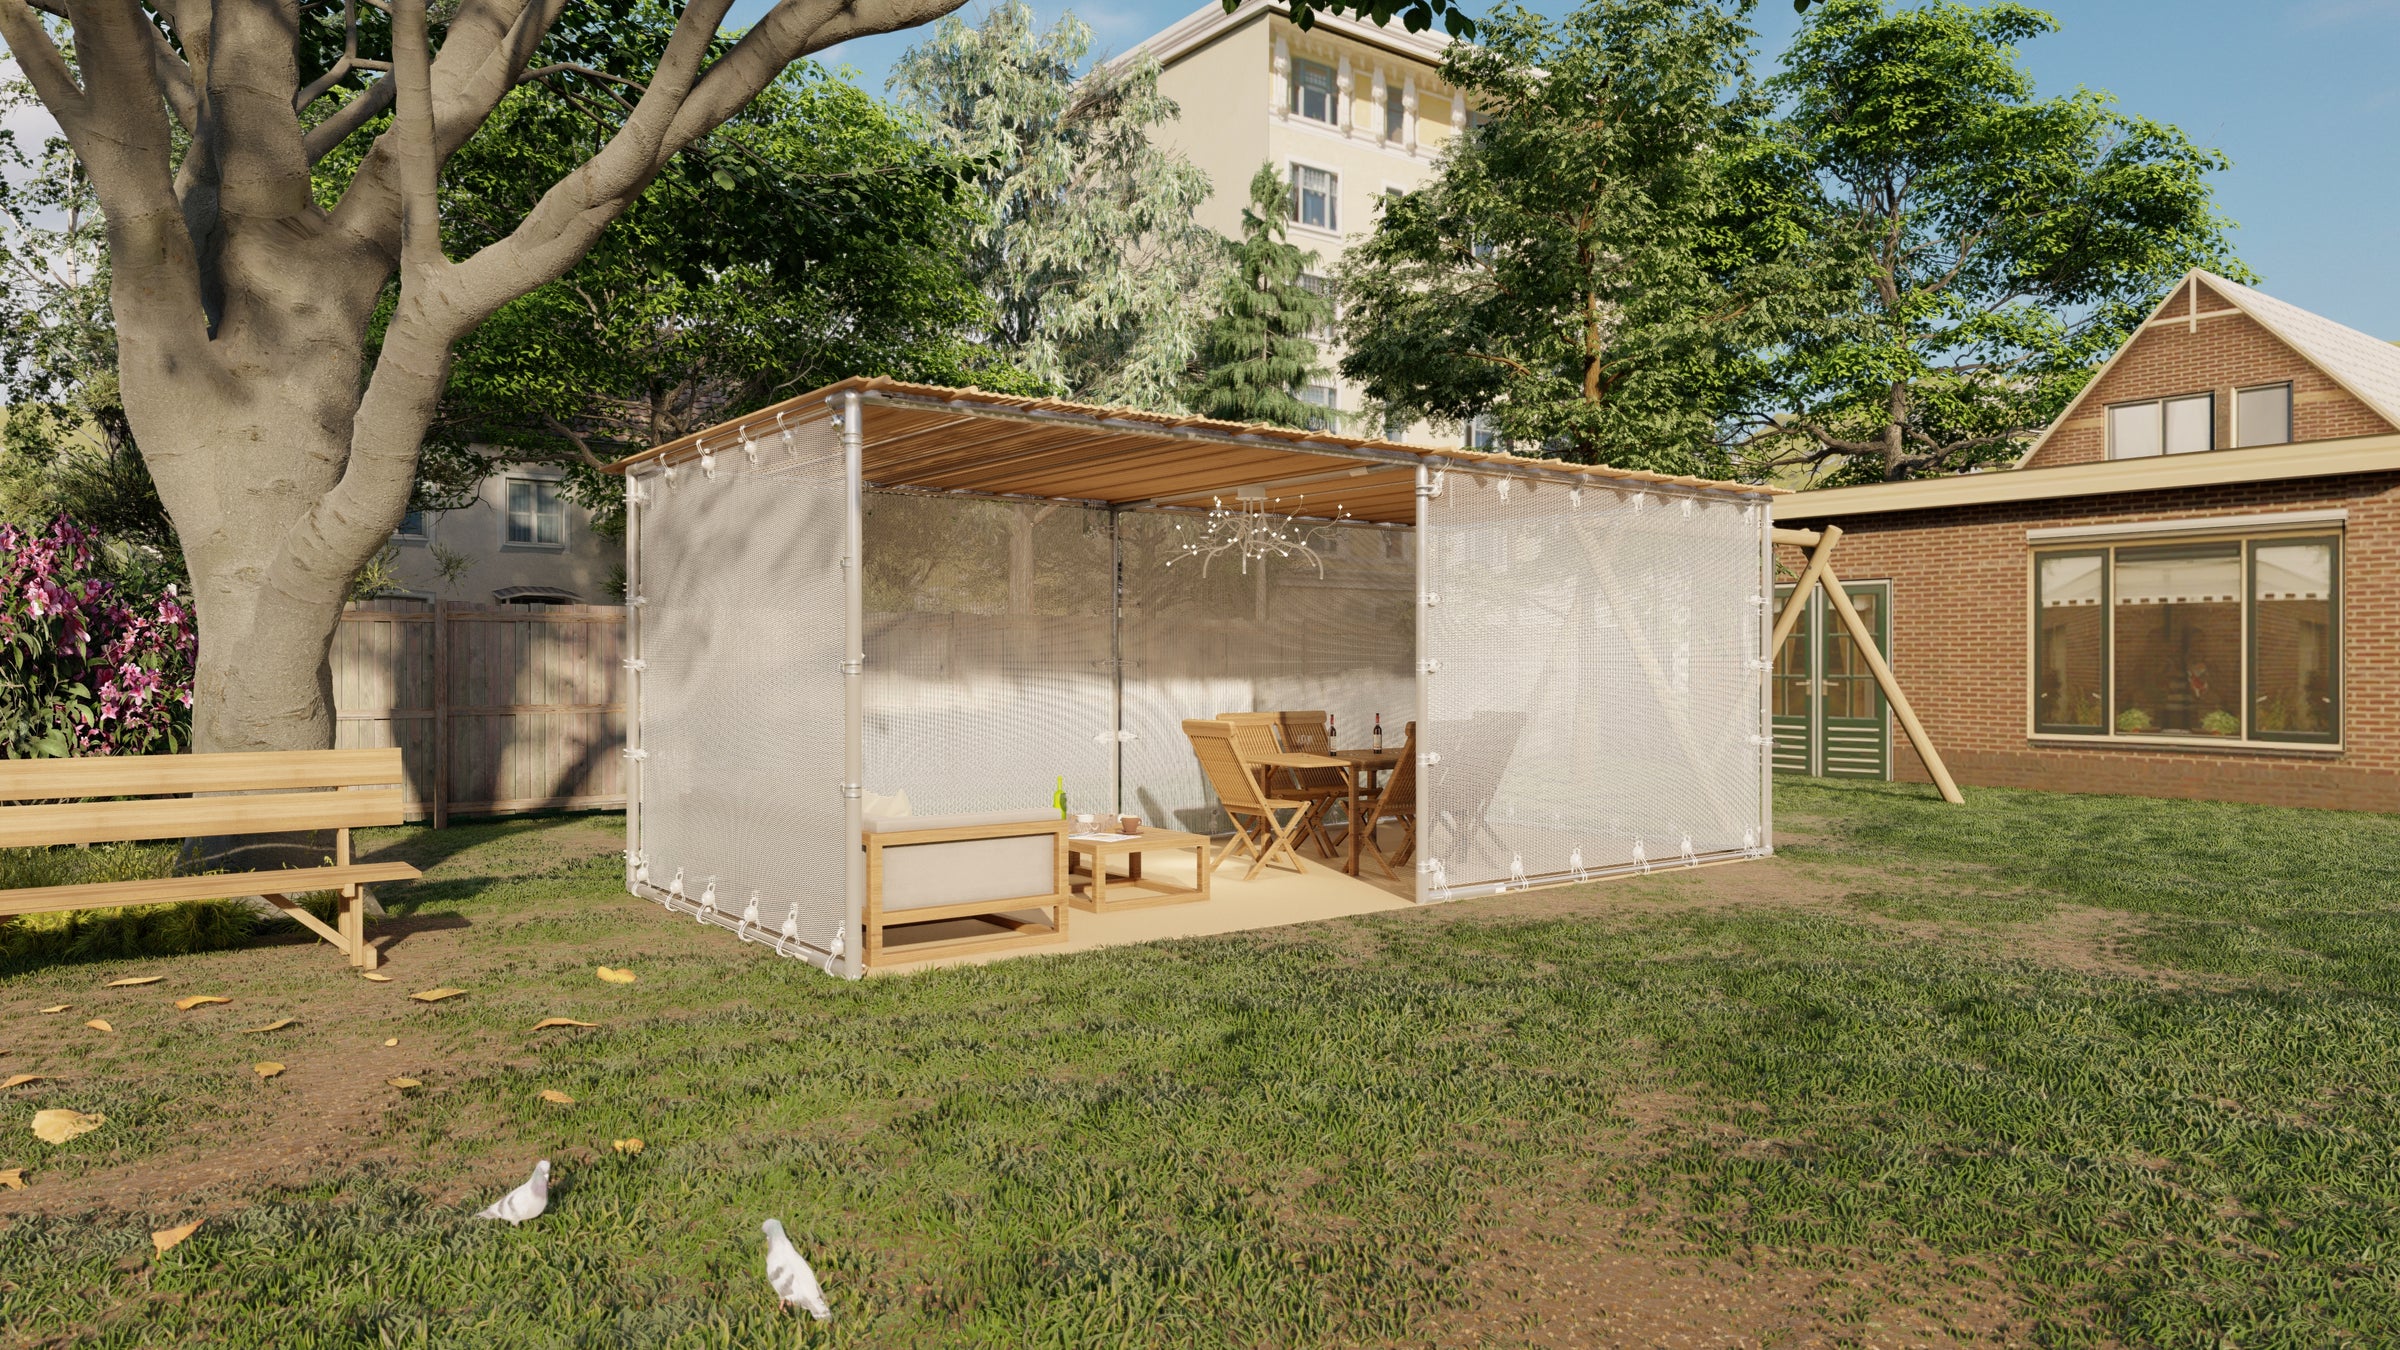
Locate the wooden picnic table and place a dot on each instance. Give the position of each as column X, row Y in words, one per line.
column 1353, row 765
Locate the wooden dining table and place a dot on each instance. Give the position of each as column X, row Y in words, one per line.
column 1355, row 766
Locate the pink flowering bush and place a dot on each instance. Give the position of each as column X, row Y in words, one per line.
column 87, row 667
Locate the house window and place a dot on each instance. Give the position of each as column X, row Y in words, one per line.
column 1483, row 432
column 1316, row 196
column 1395, row 114
column 1323, row 331
column 2262, row 416
column 537, row 515
column 1321, row 396
column 1312, row 93
column 2173, row 426
column 2226, row 640
column 412, row 527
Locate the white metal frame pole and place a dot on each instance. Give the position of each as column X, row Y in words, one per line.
column 854, row 629
column 1766, row 677
column 633, row 677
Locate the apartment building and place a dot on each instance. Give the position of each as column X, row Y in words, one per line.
column 1349, row 111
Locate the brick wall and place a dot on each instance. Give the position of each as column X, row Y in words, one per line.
column 1961, row 646
column 2216, row 355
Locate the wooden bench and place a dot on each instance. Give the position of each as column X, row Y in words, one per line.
column 111, row 799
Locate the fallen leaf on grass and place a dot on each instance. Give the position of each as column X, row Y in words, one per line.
column 166, row 1238
column 277, row 1025
column 187, row 1004
column 392, row 1042
column 59, row 1126
column 626, row 1146
column 266, row 1068
column 131, row 980
column 403, row 1083
column 371, row 975
column 436, row 995
column 58, row 1007
column 554, row 1095
column 99, row 1024
column 13, row 1178
column 615, row 976
column 548, row 1022
column 21, row 1079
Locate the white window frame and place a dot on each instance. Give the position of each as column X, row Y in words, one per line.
column 1333, row 197
column 2108, row 423
column 508, row 514
column 2235, row 414
column 1298, row 105
column 1395, row 101
column 424, row 532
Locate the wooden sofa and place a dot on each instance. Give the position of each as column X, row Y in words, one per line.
column 1003, row 872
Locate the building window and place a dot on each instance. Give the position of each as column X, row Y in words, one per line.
column 1483, row 433
column 413, row 527
column 2174, row 426
column 1321, row 396
column 537, row 515
column 1395, row 114
column 1312, row 93
column 1316, row 197
column 2262, row 416
column 2226, row 640
column 1321, row 332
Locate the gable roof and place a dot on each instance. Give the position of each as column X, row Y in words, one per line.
column 1210, row 22
column 2367, row 368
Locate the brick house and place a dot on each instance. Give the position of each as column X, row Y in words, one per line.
column 2189, row 586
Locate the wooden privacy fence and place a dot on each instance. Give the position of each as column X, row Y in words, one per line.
column 494, row 709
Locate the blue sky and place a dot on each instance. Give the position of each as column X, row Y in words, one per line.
column 2301, row 94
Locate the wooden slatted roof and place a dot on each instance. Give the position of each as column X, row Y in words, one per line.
column 935, row 439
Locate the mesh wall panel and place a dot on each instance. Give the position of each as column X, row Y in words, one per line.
column 741, row 637
column 1598, row 700
column 990, row 661
column 1276, row 638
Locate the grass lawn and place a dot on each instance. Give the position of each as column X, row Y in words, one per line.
column 2041, row 1070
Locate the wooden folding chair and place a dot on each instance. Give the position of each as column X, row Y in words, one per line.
column 1323, row 789
column 1397, row 802
column 1257, row 830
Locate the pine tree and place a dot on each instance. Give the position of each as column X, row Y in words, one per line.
column 1257, row 353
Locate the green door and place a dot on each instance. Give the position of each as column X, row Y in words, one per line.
column 1829, row 714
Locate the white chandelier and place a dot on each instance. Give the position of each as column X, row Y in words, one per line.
column 1255, row 529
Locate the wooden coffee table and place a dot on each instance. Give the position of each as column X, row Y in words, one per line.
column 1096, row 897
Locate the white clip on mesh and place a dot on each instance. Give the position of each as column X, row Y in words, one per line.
column 749, row 448
column 634, row 752
column 1750, row 839
column 1641, row 857
column 1575, row 865
column 749, row 917
column 834, row 948
column 1440, row 889
column 708, row 902
column 1516, row 872
column 666, row 472
column 641, row 868
column 1426, row 759
column 637, row 602
column 675, row 887
column 1503, row 489
column 791, row 930
column 1431, row 599
column 1687, row 508
column 708, row 464
column 1575, row 498
column 635, row 663
column 1685, row 855
column 634, row 496
column 1430, row 666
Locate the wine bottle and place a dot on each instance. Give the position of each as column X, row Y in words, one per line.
column 1379, row 731
column 1333, row 737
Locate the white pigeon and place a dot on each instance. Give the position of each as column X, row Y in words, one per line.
column 789, row 1272
column 526, row 1201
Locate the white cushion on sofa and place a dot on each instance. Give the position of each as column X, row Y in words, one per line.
column 963, row 871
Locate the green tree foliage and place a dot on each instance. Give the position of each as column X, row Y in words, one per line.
column 66, row 448
column 1259, row 350
column 1598, row 260
column 2000, row 244
column 811, row 238
column 1097, row 274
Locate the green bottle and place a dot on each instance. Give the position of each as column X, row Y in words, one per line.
column 1059, row 798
